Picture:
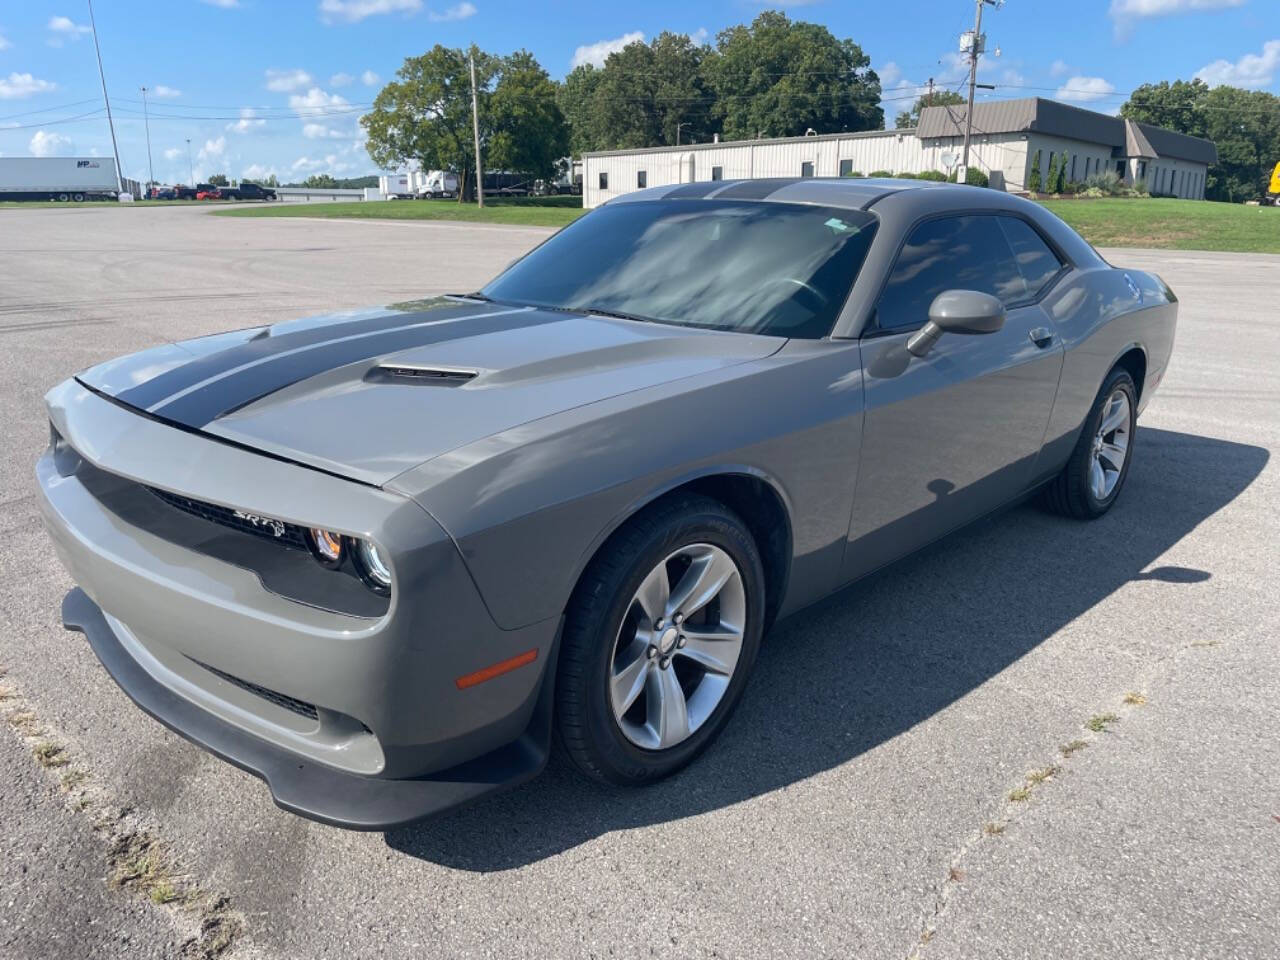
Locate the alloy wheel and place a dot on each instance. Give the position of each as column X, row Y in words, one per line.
column 1110, row 445
column 678, row 646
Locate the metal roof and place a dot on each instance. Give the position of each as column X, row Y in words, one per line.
column 718, row 144
column 1035, row 114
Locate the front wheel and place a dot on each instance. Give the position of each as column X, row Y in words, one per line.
column 1091, row 481
column 659, row 639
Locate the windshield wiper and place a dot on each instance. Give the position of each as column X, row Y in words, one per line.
column 472, row 296
column 614, row 314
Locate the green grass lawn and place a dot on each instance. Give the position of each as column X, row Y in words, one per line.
column 1173, row 224
column 528, row 213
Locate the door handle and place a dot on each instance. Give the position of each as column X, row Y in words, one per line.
column 1041, row 337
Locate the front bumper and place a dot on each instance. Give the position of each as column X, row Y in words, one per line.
column 301, row 695
column 304, row 787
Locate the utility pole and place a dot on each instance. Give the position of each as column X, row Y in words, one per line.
column 151, row 171
column 679, row 127
column 191, row 170
column 115, row 150
column 976, row 45
column 475, row 128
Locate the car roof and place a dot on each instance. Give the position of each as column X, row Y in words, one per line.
column 851, row 193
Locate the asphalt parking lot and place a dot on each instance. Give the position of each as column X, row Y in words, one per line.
column 867, row 799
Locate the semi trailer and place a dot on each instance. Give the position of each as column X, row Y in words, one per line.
column 68, row 179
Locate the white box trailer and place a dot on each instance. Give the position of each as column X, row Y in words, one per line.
column 396, row 185
column 437, row 183
column 57, row 178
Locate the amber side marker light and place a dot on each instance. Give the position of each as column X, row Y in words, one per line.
column 497, row 669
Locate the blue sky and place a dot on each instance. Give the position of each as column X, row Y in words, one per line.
column 260, row 87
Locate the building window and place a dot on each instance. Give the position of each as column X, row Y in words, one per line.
column 1073, row 168
column 1120, row 169
column 604, row 180
column 642, row 179
column 1142, row 169
column 846, row 167
column 806, row 169
column 717, row 173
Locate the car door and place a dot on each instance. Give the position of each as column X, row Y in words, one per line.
column 952, row 435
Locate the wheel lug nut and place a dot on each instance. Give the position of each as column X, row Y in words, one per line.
column 678, row 618
column 664, row 662
column 651, row 652
column 681, row 640
column 660, row 624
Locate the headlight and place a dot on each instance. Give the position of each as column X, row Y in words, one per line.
column 326, row 547
column 373, row 569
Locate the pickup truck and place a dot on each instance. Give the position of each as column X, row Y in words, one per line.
column 248, row 191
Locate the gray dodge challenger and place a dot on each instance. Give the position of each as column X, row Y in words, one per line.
column 384, row 559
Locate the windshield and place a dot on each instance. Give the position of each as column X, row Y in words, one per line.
column 772, row 268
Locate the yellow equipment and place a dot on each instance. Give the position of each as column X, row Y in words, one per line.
column 1273, row 189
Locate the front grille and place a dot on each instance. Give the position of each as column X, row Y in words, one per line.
column 288, row 534
column 300, row 707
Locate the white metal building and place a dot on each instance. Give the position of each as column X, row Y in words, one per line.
column 1007, row 136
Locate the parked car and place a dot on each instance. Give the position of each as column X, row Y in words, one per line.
column 207, row 191
column 163, row 193
column 183, row 192
column 248, row 191
column 378, row 559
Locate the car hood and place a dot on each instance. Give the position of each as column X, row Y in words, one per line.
column 370, row 394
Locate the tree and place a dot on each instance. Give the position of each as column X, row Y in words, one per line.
column 320, row 181
column 219, row 180
column 271, row 181
column 938, row 98
column 1060, row 185
column 779, row 78
column 528, row 132
column 576, row 97
column 1051, row 181
column 1034, row 183
column 1243, row 124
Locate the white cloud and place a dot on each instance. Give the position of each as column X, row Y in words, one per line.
column 286, row 81
column 45, row 144
column 249, row 120
column 1060, row 68
column 459, row 11
column 369, row 78
column 224, row 4
column 699, row 36
column 21, row 85
column 167, row 93
column 4, row 42
column 64, row 29
column 1253, row 71
column 341, row 80
column 1085, row 89
column 596, row 53
column 317, row 103
column 303, row 164
column 1145, row 9
column 353, row 11
column 257, row 171
column 173, row 153
column 318, row 131
column 213, row 149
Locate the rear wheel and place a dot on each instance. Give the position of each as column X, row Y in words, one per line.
column 1091, row 481
column 659, row 639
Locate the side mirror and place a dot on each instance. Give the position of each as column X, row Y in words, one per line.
column 957, row 311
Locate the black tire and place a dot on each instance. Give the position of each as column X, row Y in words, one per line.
column 1069, row 492
column 585, row 725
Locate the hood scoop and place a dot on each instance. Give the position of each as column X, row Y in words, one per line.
column 430, row 375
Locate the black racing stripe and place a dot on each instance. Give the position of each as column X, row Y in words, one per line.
column 147, row 394
column 693, row 191
column 755, row 189
column 236, row 390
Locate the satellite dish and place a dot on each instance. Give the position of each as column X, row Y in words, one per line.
column 948, row 159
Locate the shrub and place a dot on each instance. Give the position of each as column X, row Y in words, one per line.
column 855, row 173
column 905, row 175
column 972, row 176
column 1051, row 181
column 880, row 173
column 1108, row 183
column 1034, row 182
column 1060, row 185
column 935, row 175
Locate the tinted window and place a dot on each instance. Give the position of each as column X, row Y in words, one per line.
column 954, row 253
column 1036, row 262
column 806, row 169
column 717, row 173
column 774, row 268
column 846, row 167
column 642, row 179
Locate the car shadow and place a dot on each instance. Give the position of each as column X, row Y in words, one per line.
column 879, row 657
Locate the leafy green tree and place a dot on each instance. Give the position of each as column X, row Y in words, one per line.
column 576, row 97
column 1243, row 124
column 528, row 131
column 939, row 98
column 1051, row 181
column 1034, row 183
column 320, row 181
column 779, row 77
column 219, row 180
column 1060, row 185
column 271, row 181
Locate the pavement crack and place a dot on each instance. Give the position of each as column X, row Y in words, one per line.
column 139, row 862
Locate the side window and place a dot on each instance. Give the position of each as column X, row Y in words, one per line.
column 1036, row 262
column 846, row 167
column 952, row 253
column 604, row 180
column 642, row 179
column 717, row 173
column 806, row 169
